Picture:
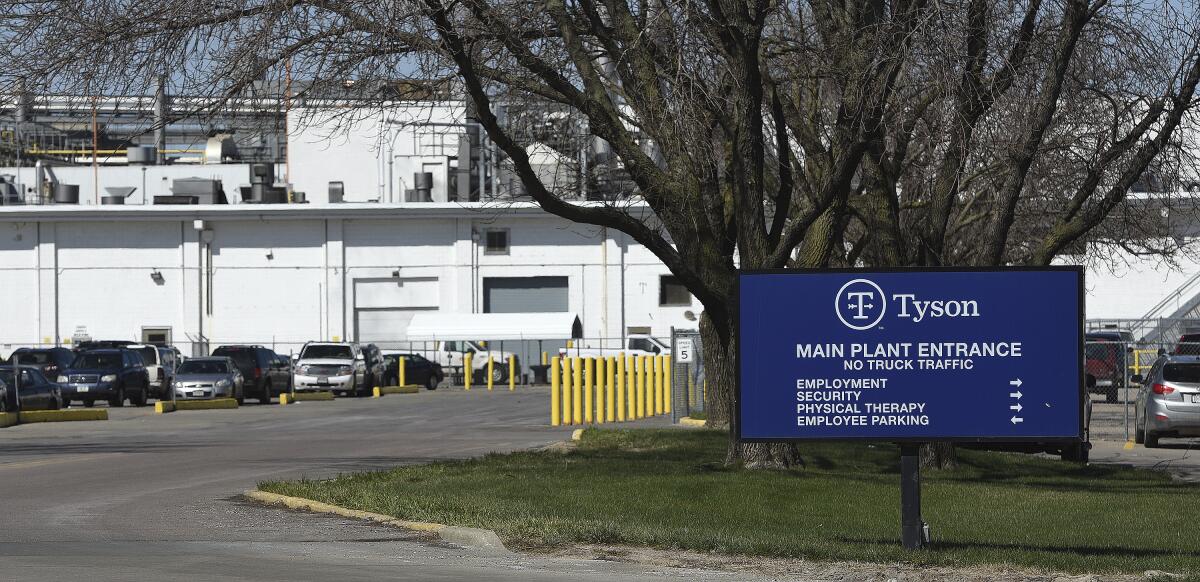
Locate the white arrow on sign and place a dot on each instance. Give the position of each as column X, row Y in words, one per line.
column 1017, row 419
column 1016, row 382
column 1016, row 408
column 1016, row 394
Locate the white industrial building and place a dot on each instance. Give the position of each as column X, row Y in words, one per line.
column 416, row 230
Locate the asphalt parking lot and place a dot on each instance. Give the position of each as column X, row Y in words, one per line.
column 146, row 496
column 1180, row 457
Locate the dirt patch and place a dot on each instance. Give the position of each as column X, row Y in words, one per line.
column 820, row 571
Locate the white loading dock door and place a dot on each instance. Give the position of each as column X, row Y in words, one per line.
column 383, row 308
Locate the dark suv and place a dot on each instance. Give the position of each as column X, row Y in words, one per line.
column 266, row 374
column 50, row 361
column 113, row 374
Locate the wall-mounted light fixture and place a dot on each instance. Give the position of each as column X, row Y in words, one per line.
column 271, row 255
column 157, row 277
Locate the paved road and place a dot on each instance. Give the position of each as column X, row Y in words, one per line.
column 1180, row 457
column 147, row 496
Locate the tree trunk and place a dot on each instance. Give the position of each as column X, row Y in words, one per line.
column 939, row 455
column 720, row 373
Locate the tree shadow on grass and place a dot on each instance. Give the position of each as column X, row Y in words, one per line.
column 1096, row 551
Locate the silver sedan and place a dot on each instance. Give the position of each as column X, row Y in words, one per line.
column 208, row 378
column 1168, row 404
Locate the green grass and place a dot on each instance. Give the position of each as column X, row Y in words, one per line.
column 668, row 489
column 698, row 415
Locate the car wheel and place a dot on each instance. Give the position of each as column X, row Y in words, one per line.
column 499, row 373
column 142, row 399
column 239, row 396
column 118, row 400
column 89, row 403
column 1139, row 435
column 265, row 397
column 1110, row 395
column 1151, row 440
column 432, row 382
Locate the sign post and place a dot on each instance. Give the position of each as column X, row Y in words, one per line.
column 911, row 356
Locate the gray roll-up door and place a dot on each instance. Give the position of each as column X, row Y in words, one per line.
column 524, row 294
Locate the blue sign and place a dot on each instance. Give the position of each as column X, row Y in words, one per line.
column 911, row 355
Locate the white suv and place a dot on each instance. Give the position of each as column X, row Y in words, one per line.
column 330, row 366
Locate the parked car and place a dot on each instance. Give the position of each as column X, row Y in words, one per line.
column 107, row 374
column 418, row 370
column 338, row 367
column 159, row 366
column 449, row 355
column 1188, row 345
column 1168, row 404
column 89, row 345
column 50, row 361
column 1106, row 363
column 209, row 378
column 34, row 391
column 266, row 375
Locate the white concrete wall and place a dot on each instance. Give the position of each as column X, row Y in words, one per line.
column 284, row 281
column 328, row 145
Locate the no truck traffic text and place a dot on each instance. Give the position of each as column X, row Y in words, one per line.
column 1003, row 349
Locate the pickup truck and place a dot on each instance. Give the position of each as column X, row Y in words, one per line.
column 449, row 354
column 634, row 345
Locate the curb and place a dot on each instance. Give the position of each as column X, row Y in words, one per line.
column 8, row 419
column 214, row 404
column 406, row 389
column 692, row 422
column 285, row 399
column 463, row 536
column 68, row 415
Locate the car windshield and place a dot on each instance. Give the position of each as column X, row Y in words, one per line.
column 33, row 357
column 335, row 352
column 1186, row 373
column 200, row 367
column 104, row 361
column 149, row 354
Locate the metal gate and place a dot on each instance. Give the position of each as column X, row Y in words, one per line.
column 687, row 376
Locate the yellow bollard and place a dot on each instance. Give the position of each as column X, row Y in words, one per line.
column 630, row 389
column 566, row 391
column 512, row 373
column 577, row 391
column 467, row 371
column 667, row 386
column 588, row 364
column 601, row 388
column 621, row 388
column 650, row 375
column 641, row 387
column 401, row 380
column 609, row 388
column 491, row 368
column 555, row 395
column 544, row 358
column 659, row 391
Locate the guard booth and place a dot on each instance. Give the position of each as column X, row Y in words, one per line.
column 447, row 337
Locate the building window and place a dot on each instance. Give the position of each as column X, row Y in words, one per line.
column 496, row 242
column 672, row 293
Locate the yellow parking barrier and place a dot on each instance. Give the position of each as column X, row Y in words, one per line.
column 381, row 391
column 577, row 391
column 491, row 369
column 567, row 391
column 641, row 387
column 658, row 385
column 621, row 388
column 67, row 415
column 467, row 371
column 630, row 388
column 601, row 388
column 555, row 396
column 667, row 384
column 402, row 364
column 512, row 373
column 588, row 398
column 8, row 419
column 609, row 389
column 285, row 399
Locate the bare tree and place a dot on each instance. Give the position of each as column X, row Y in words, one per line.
column 759, row 133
